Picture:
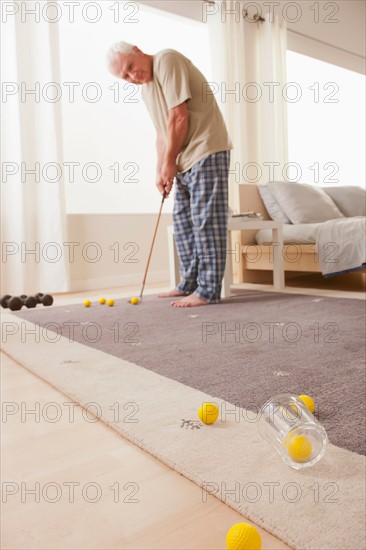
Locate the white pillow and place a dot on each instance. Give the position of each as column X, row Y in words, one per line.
column 304, row 203
column 272, row 206
column 350, row 199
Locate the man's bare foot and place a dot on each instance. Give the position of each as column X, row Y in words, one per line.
column 172, row 294
column 189, row 301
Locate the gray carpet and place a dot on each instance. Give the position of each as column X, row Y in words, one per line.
column 245, row 350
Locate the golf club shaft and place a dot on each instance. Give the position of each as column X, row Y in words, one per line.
column 152, row 246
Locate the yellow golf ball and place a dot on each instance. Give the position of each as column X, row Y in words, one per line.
column 299, row 447
column 243, row 536
column 87, row 303
column 110, row 302
column 102, row 301
column 134, row 300
column 309, row 402
column 208, row 413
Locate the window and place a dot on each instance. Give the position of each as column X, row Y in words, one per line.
column 107, row 131
column 326, row 126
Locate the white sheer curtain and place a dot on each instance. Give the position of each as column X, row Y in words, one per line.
column 33, row 219
column 250, row 58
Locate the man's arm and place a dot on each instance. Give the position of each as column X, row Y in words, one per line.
column 178, row 124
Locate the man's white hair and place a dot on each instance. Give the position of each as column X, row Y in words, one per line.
column 116, row 48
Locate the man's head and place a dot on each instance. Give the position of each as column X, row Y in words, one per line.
column 130, row 63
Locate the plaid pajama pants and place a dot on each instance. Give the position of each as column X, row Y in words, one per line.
column 200, row 217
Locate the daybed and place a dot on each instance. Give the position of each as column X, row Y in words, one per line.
column 324, row 230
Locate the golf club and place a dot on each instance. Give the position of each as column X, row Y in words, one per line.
column 152, row 246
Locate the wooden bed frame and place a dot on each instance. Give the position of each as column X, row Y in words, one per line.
column 256, row 261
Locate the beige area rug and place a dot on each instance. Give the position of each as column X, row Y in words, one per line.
column 317, row 508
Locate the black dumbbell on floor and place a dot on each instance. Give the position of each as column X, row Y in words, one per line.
column 12, row 302
column 40, row 298
column 16, row 303
column 29, row 301
column 45, row 299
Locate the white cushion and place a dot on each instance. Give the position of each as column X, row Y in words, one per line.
column 304, row 203
column 350, row 199
column 272, row 206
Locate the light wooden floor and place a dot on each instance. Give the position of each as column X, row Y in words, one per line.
column 169, row 512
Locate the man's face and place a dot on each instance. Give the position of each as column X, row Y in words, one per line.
column 135, row 68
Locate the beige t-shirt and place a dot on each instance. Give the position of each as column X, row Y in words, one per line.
column 175, row 80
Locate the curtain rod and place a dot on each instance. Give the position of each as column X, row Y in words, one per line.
column 256, row 17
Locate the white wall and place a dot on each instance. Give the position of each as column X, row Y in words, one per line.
column 111, row 250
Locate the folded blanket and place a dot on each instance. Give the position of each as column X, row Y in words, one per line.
column 341, row 244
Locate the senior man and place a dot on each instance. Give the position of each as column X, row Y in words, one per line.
column 193, row 147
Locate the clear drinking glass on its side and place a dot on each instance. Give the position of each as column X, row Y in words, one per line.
column 297, row 436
